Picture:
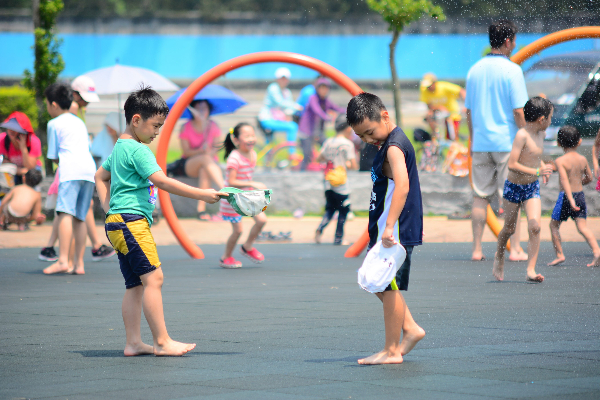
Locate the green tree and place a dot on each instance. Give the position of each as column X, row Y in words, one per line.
column 399, row 14
column 48, row 63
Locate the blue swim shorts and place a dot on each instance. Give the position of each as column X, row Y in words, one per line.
column 130, row 236
column 74, row 198
column 516, row 193
column 563, row 210
column 234, row 220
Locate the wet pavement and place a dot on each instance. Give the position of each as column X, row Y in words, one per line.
column 294, row 326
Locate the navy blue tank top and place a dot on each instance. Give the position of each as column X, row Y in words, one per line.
column 409, row 228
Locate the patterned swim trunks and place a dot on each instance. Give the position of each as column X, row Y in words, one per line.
column 516, row 193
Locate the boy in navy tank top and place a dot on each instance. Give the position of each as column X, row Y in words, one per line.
column 395, row 215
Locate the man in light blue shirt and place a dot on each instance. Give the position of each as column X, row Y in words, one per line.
column 496, row 94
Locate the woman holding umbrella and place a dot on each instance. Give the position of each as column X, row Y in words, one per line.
column 200, row 137
column 200, row 142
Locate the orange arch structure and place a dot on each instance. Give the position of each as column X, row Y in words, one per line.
column 585, row 32
column 255, row 58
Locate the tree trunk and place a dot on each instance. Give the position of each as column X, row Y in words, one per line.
column 395, row 81
column 39, row 95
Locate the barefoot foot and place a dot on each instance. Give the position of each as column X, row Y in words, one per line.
column 518, row 256
column 595, row 262
column 56, row 268
column 558, row 260
column 138, row 349
column 410, row 339
column 77, row 271
column 498, row 269
column 535, row 278
column 382, row 357
column 173, row 348
column 477, row 256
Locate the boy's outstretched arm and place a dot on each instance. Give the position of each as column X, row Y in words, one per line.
column 102, row 179
column 515, row 154
column 596, row 154
column 587, row 174
column 173, row 186
column 397, row 162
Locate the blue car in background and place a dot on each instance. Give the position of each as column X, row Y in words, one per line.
column 572, row 82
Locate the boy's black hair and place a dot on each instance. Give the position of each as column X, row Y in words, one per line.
column 33, row 177
column 364, row 106
column 537, row 107
column 500, row 31
column 146, row 102
column 568, row 137
column 228, row 144
column 61, row 94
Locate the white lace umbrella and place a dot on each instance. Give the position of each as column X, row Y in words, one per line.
column 120, row 79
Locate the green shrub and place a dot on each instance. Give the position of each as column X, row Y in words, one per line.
column 17, row 98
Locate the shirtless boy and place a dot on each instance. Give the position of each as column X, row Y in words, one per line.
column 573, row 172
column 23, row 204
column 522, row 187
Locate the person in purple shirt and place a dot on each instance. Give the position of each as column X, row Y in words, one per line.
column 314, row 117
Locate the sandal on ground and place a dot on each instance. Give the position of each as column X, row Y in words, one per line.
column 204, row 216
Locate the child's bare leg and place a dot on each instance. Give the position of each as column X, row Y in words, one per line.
column 90, row 225
column 478, row 216
column 393, row 315
column 411, row 333
column 556, row 242
column 260, row 221
column 511, row 212
column 533, row 208
column 54, row 234
column 203, row 183
column 65, row 235
column 153, row 311
column 132, row 317
column 232, row 240
column 589, row 237
column 79, row 234
column 516, row 251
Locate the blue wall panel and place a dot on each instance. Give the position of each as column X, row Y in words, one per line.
column 186, row 56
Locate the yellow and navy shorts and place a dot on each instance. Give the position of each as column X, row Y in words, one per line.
column 130, row 236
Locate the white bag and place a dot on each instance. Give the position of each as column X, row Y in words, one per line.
column 380, row 266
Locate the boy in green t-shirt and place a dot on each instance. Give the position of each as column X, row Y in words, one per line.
column 126, row 184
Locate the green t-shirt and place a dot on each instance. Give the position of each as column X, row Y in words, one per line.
column 131, row 192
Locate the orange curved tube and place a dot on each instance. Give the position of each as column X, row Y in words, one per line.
column 357, row 247
column 583, row 32
column 186, row 98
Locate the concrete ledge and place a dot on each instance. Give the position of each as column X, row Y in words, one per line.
column 443, row 194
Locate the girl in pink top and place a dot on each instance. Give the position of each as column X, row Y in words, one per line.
column 199, row 139
column 241, row 160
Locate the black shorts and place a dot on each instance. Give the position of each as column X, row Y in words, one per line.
column 563, row 210
column 400, row 282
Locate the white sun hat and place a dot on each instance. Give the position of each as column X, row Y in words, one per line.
column 283, row 72
column 86, row 88
column 380, row 266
